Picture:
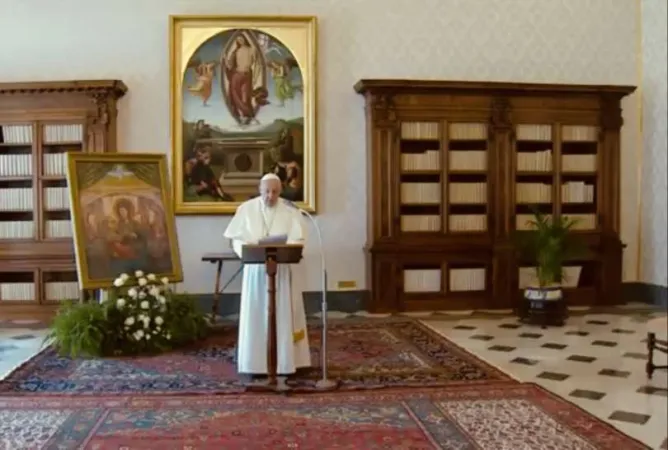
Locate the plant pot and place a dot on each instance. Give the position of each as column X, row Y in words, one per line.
column 543, row 306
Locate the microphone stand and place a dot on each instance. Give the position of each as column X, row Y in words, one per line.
column 324, row 383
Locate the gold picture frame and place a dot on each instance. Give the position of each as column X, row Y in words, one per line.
column 243, row 104
column 122, row 217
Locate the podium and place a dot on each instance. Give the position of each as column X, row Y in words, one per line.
column 271, row 255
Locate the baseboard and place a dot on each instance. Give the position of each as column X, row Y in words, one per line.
column 645, row 293
column 343, row 301
column 353, row 301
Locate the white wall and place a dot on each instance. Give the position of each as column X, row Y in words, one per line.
column 655, row 126
column 565, row 41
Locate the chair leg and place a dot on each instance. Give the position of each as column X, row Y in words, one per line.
column 649, row 366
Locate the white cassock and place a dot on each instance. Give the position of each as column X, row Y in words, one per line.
column 252, row 222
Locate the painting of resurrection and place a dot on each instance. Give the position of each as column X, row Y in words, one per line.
column 122, row 217
column 243, row 105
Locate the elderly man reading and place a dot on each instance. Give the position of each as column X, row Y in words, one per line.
column 268, row 219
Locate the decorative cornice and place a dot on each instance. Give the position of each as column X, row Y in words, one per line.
column 107, row 88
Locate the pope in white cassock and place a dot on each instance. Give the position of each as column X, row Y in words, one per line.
column 257, row 219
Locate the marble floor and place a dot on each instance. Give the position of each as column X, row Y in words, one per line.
column 596, row 361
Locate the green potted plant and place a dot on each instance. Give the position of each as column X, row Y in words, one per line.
column 547, row 244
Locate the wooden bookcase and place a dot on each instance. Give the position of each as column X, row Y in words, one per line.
column 453, row 168
column 39, row 123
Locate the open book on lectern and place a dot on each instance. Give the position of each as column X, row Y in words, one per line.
column 278, row 239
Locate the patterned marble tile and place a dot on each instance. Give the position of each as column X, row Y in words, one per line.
column 608, row 379
column 590, row 395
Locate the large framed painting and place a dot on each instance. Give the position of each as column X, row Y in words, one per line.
column 122, row 217
column 243, row 93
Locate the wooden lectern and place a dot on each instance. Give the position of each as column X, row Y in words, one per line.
column 271, row 255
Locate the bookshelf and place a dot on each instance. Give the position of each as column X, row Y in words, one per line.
column 39, row 124
column 455, row 169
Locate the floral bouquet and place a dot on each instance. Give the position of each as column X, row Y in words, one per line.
column 141, row 303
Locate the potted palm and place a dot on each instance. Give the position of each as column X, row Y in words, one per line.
column 547, row 244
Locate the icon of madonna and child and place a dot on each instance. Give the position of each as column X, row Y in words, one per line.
column 124, row 219
column 243, row 116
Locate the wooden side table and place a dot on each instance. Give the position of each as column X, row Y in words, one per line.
column 219, row 259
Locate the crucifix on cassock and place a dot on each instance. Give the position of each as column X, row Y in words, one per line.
column 268, row 235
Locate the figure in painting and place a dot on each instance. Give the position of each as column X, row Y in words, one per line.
column 254, row 123
column 201, row 177
column 280, row 72
column 205, row 73
column 126, row 239
column 244, row 79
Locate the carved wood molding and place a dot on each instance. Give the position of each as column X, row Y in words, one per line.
column 383, row 110
column 108, row 88
column 611, row 113
column 103, row 109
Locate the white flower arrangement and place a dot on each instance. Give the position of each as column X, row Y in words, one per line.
column 142, row 301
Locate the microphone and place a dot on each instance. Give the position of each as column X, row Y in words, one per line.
column 324, row 383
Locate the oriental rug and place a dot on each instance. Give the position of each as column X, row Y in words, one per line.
column 487, row 417
column 362, row 354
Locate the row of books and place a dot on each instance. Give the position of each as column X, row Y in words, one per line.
column 467, row 193
column 430, row 280
column 58, row 229
column 61, row 290
column 527, row 276
column 578, row 163
column 55, row 164
column 421, row 193
column 467, row 132
column 428, row 160
column 63, row 133
column 430, row 193
column 17, row 229
column 16, row 165
column 25, row 292
column 577, row 192
column 473, row 160
column 422, row 280
column 420, row 130
column 53, row 134
column 21, row 165
column 17, row 292
column 423, row 223
column 579, row 133
column 16, row 134
column 56, row 198
column 467, row 222
column 420, row 223
column 464, row 280
column 582, row 221
column 569, row 133
column 533, row 193
column 540, row 161
column 456, row 131
column 23, row 199
column 17, row 199
column 537, row 132
column 25, row 229
column 478, row 131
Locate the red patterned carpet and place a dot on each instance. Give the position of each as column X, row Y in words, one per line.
column 493, row 417
column 363, row 354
